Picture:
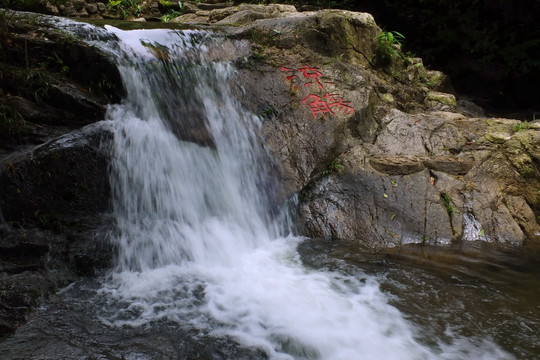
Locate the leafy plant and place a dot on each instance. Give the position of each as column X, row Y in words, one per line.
column 126, row 7
column 261, row 38
column 447, row 202
column 169, row 4
column 522, row 126
column 267, row 112
column 11, row 121
column 170, row 15
column 390, row 43
column 390, row 38
column 258, row 54
column 334, row 167
column 102, row 85
column 527, row 172
column 55, row 63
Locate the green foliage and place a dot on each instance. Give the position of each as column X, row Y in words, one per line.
column 334, row 167
column 262, row 38
column 11, row 121
column 522, row 126
column 170, row 15
column 340, row 4
column 267, row 112
column 39, row 84
column 258, row 54
column 527, row 172
column 496, row 42
column 127, row 8
column 474, row 29
column 102, row 86
column 22, row 5
column 49, row 221
column 55, row 63
column 390, row 43
column 447, row 202
column 390, row 38
column 389, row 48
column 170, row 4
column 517, row 55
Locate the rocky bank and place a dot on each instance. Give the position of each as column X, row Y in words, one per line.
column 381, row 152
column 53, row 171
column 378, row 150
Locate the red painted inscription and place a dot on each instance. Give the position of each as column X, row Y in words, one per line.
column 318, row 104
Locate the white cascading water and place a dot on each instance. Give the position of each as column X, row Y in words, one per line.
column 196, row 229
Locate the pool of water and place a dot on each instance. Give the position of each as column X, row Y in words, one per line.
column 472, row 290
column 475, row 303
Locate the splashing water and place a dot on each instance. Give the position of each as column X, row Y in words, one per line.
column 198, row 238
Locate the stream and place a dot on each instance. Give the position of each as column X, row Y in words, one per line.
column 209, row 267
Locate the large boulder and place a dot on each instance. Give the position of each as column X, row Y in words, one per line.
column 383, row 155
column 51, row 82
column 53, row 170
column 57, row 182
column 52, row 206
column 428, row 178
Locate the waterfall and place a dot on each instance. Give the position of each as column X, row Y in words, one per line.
column 176, row 200
column 200, row 240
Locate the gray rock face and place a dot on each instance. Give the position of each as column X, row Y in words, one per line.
column 414, row 184
column 379, row 155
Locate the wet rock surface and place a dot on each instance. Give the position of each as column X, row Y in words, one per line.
column 51, row 82
column 53, row 171
column 82, row 336
column 53, row 203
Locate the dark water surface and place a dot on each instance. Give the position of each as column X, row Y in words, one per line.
column 471, row 290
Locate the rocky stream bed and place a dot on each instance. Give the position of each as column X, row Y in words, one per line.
column 373, row 151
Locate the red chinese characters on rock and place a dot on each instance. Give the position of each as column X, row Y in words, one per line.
column 325, row 104
column 317, row 105
column 309, row 73
column 336, row 102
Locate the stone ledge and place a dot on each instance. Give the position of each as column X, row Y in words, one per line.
column 405, row 165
